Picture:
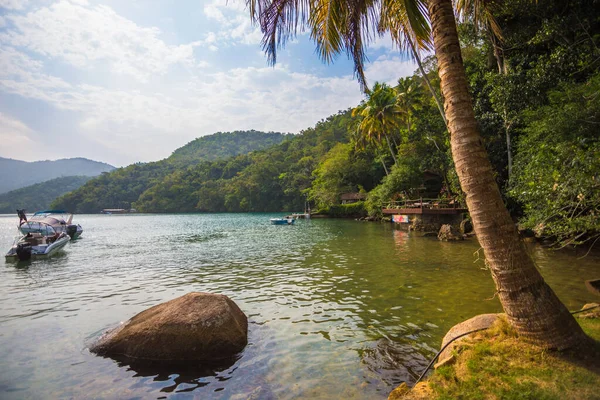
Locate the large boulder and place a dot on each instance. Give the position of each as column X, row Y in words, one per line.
column 194, row 327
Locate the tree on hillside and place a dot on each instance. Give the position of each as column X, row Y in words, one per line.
column 380, row 117
column 348, row 25
column 408, row 98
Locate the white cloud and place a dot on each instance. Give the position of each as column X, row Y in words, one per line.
column 20, row 142
column 85, row 37
column 157, row 112
column 384, row 42
column 234, row 19
column 10, row 127
column 170, row 115
column 13, row 4
column 388, row 69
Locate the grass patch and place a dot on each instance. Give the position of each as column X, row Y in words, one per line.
column 494, row 364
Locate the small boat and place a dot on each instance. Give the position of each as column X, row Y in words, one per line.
column 283, row 221
column 37, row 245
column 58, row 220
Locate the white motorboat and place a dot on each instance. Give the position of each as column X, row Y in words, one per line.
column 37, row 245
column 58, row 220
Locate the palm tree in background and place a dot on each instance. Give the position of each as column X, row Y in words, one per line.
column 362, row 142
column 409, row 96
column 349, row 25
column 380, row 117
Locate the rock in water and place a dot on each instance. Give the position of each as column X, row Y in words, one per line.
column 447, row 233
column 194, row 327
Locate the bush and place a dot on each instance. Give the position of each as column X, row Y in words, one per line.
column 557, row 167
column 354, row 210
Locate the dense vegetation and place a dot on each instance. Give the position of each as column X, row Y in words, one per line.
column 39, row 196
column 535, row 93
column 15, row 174
column 123, row 186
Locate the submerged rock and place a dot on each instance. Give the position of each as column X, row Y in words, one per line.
column 448, row 232
column 194, row 327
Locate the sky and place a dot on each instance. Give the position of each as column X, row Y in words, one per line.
column 131, row 81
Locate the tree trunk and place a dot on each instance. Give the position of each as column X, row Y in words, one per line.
column 387, row 139
column 498, row 53
column 531, row 306
column 382, row 162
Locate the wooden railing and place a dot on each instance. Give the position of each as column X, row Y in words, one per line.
column 424, row 203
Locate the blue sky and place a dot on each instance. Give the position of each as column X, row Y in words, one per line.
column 128, row 81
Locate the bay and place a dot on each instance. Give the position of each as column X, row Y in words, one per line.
column 337, row 308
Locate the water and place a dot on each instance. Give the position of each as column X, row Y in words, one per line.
column 337, row 308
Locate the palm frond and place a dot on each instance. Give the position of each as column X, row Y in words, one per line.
column 279, row 21
column 326, row 20
column 481, row 12
column 407, row 22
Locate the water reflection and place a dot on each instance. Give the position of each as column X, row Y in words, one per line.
column 179, row 377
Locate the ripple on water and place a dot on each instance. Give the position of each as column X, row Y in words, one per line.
column 337, row 309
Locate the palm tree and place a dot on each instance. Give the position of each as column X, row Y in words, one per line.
column 347, row 25
column 362, row 142
column 380, row 117
column 408, row 97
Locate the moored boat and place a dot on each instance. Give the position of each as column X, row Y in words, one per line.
column 58, row 220
column 34, row 245
column 282, row 221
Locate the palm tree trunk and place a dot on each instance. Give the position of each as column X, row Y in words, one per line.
column 426, row 78
column 387, row 139
column 531, row 306
column 382, row 162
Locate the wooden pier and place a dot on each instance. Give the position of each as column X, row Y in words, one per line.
column 423, row 206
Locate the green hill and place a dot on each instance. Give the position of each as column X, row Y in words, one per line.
column 223, row 145
column 272, row 179
column 15, row 174
column 39, row 196
column 122, row 187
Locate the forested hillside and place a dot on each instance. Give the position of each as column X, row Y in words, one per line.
column 39, row 196
column 535, row 91
column 274, row 179
column 122, row 187
column 16, row 174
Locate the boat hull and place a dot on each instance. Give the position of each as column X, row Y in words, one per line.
column 39, row 250
column 282, row 221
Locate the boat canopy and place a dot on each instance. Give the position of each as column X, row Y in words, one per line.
column 50, row 212
column 37, row 227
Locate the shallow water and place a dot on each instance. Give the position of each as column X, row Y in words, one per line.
column 337, row 308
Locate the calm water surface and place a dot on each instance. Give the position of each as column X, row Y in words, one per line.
column 337, row 308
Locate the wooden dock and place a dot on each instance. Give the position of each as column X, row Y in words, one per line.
column 424, row 206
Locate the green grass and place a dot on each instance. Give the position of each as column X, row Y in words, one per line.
column 495, row 364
